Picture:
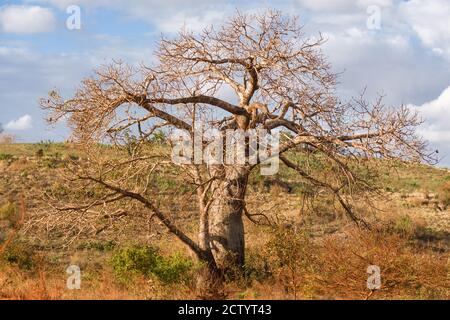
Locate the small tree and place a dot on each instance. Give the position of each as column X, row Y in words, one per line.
column 279, row 78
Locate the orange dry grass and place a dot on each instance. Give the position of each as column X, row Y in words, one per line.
column 333, row 267
column 405, row 272
column 16, row 285
column 16, row 228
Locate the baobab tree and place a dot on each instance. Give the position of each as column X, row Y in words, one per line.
column 256, row 71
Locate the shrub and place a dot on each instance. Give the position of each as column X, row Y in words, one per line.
column 159, row 137
column 128, row 262
column 174, row 269
column 256, row 268
column 8, row 211
column 404, row 225
column 19, row 253
column 404, row 272
column 292, row 255
column 98, row 245
column 147, row 261
column 444, row 194
column 52, row 162
column 6, row 156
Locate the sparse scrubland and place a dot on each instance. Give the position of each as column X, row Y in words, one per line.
column 349, row 214
column 302, row 246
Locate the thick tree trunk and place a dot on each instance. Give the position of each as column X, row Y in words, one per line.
column 226, row 227
column 210, row 283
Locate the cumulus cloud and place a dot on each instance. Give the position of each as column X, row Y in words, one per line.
column 430, row 21
column 26, row 19
column 435, row 129
column 27, row 75
column 167, row 16
column 23, row 123
column 436, row 115
column 398, row 60
column 347, row 5
column 386, row 64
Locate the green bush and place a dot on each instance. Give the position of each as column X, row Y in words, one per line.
column 128, row 262
column 159, row 137
column 147, row 261
column 97, row 245
column 6, row 156
column 404, row 225
column 174, row 269
column 8, row 211
column 19, row 253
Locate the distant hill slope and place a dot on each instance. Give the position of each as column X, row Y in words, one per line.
column 404, row 177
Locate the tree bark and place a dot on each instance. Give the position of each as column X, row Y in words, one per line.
column 226, row 227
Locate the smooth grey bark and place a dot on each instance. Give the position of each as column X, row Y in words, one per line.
column 226, row 227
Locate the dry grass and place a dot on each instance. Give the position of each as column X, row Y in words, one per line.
column 325, row 259
column 405, row 271
column 288, row 262
column 41, row 284
column 335, row 267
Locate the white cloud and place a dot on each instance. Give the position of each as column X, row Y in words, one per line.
column 26, row 19
column 195, row 23
column 436, row 116
column 23, row 123
column 385, row 62
column 342, row 5
column 27, row 75
column 167, row 16
column 430, row 20
column 405, row 59
column 435, row 129
column 63, row 4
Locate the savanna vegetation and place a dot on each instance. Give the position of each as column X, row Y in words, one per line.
column 304, row 247
column 355, row 187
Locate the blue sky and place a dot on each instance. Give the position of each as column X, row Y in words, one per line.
column 398, row 48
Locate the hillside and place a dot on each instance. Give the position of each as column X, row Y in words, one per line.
column 413, row 221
